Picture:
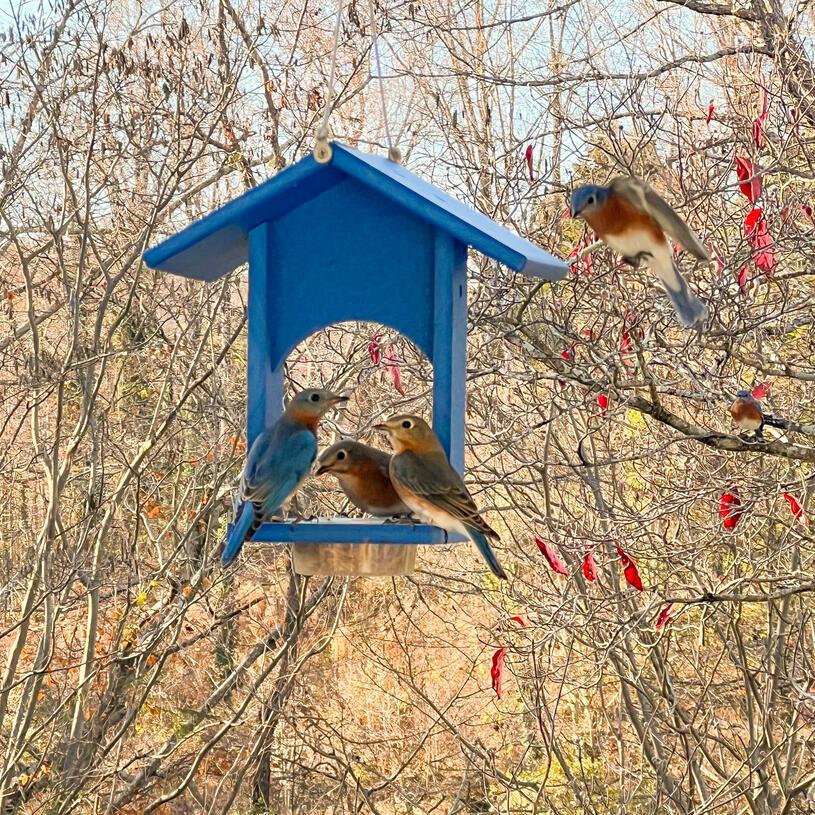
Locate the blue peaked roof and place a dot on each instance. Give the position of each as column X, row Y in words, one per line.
column 218, row 243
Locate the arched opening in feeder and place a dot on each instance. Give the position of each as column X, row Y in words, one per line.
column 384, row 372
column 389, row 371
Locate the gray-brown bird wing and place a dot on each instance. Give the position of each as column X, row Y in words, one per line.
column 646, row 199
column 432, row 478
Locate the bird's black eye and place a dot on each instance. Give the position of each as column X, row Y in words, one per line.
column 590, row 200
column 315, row 397
column 407, row 424
column 341, row 455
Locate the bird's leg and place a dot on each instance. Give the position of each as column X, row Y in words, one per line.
column 402, row 519
column 759, row 434
column 637, row 259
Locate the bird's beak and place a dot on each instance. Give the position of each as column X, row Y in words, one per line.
column 575, row 213
column 323, row 469
column 336, row 399
column 381, row 427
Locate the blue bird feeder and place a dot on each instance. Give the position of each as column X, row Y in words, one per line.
column 355, row 238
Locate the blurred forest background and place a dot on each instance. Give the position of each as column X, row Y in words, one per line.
column 137, row 677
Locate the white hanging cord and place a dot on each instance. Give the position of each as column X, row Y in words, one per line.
column 322, row 149
column 393, row 152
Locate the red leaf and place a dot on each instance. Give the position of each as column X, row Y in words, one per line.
column 808, row 211
column 758, row 122
column 630, row 570
column 519, row 620
column 529, row 163
column 374, row 349
column 755, row 228
column 764, row 251
column 394, row 370
column 758, row 131
column 730, row 508
column 583, row 264
column 589, row 569
column 568, row 353
column 741, row 278
column 664, row 617
column 762, row 389
column 753, row 217
column 792, row 115
column 497, row 671
column 552, row 557
column 632, row 575
column 765, row 102
column 719, row 259
column 710, row 109
column 626, row 348
column 750, row 187
column 626, row 345
column 796, row 509
column 602, row 403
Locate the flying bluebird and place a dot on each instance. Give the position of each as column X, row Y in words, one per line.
column 362, row 473
column 633, row 220
column 747, row 414
column 434, row 491
column 279, row 459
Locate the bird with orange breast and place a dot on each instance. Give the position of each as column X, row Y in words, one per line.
column 631, row 219
column 425, row 480
column 363, row 475
column 747, row 414
column 278, row 461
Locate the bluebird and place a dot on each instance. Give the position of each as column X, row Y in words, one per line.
column 279, row 459
column 434, row 491
column 747, row 414
column 630, row 218
column 362, row 473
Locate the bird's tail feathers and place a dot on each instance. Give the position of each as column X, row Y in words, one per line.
column 775, row 421
column 483, row 546
column 689, row 308
column 246, row 524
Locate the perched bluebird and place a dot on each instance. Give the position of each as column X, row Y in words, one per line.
column 633, row 220
column 747, row 414
column 279, row 459
column 362, row 473
column 434, row 491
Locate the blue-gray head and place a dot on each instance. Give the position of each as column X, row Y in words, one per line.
column 743, row 394
column 588, row 198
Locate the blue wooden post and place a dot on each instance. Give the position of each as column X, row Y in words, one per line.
column 450, row 345
column 264, row 387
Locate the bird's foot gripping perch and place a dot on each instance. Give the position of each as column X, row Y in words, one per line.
column 637, row 259
column 412, row 520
